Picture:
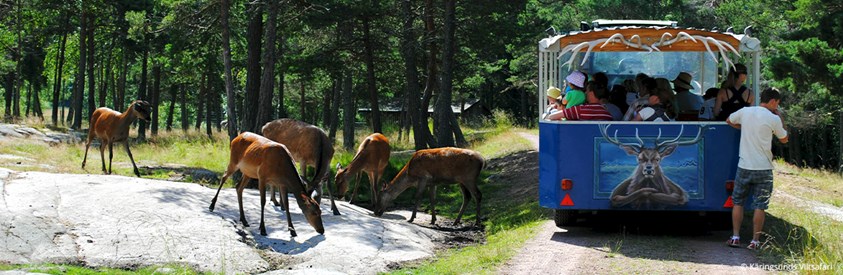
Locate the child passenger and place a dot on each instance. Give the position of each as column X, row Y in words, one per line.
column 576, row 82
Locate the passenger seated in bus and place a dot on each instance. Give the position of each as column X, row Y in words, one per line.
column 663, row 86
column 707, row 111
column 688, row 104
column 552, row 93
column 576, row 82
column 644, row 89
column 631, row 92
column 613, row 109
column 734, row 95
column 655, row 111
column 593, row 110
column 617, row 96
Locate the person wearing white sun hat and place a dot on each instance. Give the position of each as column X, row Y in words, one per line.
column 576, row 81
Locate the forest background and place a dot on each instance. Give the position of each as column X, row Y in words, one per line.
column 202, row 62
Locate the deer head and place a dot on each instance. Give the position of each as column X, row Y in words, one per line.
column 141, row 109
column 649, row 158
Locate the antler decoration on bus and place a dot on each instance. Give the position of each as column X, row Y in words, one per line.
column 666, row 39
column 648, row 184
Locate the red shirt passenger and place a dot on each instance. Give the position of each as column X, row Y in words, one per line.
column 593, row 110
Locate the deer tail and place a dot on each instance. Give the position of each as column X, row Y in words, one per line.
column 322, row 165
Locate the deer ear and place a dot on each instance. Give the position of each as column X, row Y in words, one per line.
column 630, row 150
column 667, row 150
column 339, row 167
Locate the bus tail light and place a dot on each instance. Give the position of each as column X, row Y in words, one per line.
column 567, row 184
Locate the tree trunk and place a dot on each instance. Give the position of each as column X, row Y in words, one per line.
column 408, row 47
column 369, row 58
column 78, row 87
column 336, row 95
column 282, row 110
column 121, row 81
column 106, row 77
column 442, row 122
column 200, row 102
column 142, row 90
column 9, row 88
column 172, row 109
column 431, row 83
column 183, row 104
column 211, row 95
column 302, row 105
column 326, row 108
column 57, row 80
column 253, row 68
column 28, row 100
column 156, row 96
column 92, row 88
column 19, row 65
column 348, row 112
column 267, row 85
column 229, row 82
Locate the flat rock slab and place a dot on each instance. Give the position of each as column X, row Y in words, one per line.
column 125, row 222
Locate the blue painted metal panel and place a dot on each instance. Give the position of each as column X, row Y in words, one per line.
column 668, row 177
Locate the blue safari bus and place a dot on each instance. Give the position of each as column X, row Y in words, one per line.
column 640, row 166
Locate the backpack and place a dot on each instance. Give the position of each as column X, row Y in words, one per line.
column 733, row 104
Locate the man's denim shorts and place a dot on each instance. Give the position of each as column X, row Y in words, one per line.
column 758, row 183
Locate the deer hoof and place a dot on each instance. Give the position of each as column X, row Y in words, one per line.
column 276, row 203
column 336, row 212
column 410, row 220
column 245, row 223
column 263, row 232
column 292, row 233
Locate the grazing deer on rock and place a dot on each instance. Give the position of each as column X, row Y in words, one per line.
column 110, row 126
column 648, row 183
column 372, row 157
column 310, row 146
column 271, row 164
column 437, row 166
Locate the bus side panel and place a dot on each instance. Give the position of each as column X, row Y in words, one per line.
column 620, row 175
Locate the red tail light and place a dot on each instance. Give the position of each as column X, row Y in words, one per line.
column 567, row 184
column 730, row 185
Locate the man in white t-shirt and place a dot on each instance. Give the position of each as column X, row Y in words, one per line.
column 758, row 124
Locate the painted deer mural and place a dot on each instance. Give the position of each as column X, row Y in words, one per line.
column 648, row 184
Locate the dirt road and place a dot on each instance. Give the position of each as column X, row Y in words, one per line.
column 646, row 244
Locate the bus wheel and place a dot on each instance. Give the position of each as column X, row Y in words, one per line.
column 565, row 217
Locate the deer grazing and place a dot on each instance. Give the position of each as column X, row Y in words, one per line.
column 437, row 166
column 372, row 157
column 271, row 164
column 648, row 183
column 110, row 126
column 310, row 146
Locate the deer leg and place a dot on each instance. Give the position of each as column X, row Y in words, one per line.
column 129, row 152
column 356, row 186
column 243, row 182
column 419, row 193
column 231, row 168
column 102, row 157
column 373, row 178
column 286, row 201
column 330, row 195
column 433, row 204
column 466, row 197
column 87, row 145
column 475, row 192
column 272, row 195
column 110, row 156
column 262, row 190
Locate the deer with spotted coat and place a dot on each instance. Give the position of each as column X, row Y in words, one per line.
column 110, row 126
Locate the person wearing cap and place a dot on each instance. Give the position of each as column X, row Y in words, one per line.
column 576, row 81
column 552, row 94
column 686, row 102
column 733, row 95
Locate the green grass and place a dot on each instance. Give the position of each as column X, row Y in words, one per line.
column 795, row 233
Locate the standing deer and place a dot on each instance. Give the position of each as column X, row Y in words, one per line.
column 110, row 126
column 648, row 184
column 437, row 166
column 271, row 164
column 372, row 157
column 310, row 146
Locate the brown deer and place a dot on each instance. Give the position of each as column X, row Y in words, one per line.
column 110, row 126
column 648, row 184
column 310, row 146
column 437, row 166
column 271, row 164
column 372, row 157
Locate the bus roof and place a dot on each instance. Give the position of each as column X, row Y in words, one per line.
column 654, row 36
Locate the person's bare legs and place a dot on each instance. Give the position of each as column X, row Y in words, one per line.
column 737, row 219
column 757, row 223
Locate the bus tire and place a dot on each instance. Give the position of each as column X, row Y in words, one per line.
column 565, row 217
